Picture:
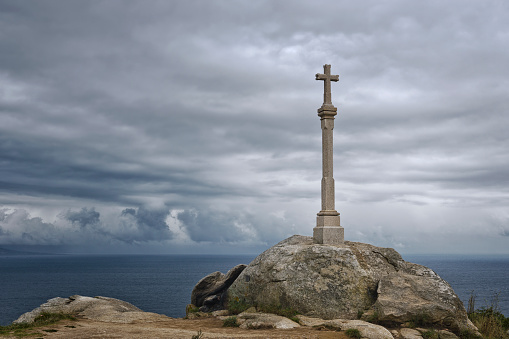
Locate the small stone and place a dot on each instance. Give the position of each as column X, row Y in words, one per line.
column 265, row 320
column 309, row 321
column 220, row 313
column 410, row 333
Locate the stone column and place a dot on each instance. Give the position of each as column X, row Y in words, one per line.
column 328, row 229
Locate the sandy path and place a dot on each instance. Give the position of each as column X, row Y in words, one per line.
column 173, row 328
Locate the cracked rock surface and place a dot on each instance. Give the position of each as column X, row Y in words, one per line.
column 331, row 282
column 97, row 308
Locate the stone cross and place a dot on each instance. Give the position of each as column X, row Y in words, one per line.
column 327, row 78
column 328, row 230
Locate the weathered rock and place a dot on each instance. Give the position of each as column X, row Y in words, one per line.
column 265, row 320
column 332, row 282
column 367, row 330
column 97, row 308
column 209, row 294
column 410, row 333
column 416, row 292
column 220, row 313
column 199, row 314
column 310, row 321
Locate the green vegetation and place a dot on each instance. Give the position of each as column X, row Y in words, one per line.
column 236, row 305
column 289, row 313
column 230, row 322
column 192, row 309
column 374, row 318
column 491, row 323
column 353, row 333
column 198, row 335
column 420, row 320
column 430, row 334
column 27, row 329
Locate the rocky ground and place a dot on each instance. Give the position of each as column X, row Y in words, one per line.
column 102, row 317
column 171, row 328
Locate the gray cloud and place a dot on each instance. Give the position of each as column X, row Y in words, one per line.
column 204, row 114
column 151, row 225
column 84, row 217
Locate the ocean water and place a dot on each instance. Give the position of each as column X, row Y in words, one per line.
column 154, row 283
column 163, row 283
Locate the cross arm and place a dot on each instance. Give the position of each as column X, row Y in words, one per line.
column 320, row 76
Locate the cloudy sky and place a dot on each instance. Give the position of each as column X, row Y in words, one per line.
column 191, row 126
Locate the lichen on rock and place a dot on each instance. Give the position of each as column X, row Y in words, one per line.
column 332, row 282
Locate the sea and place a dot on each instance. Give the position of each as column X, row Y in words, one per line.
column 163, row 283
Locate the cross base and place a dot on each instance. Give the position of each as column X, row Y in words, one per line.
column 329, row 235
column 328, row 230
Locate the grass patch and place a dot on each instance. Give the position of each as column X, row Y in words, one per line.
column 374, row 318
column 44, row 319
column 192, row 309
column 420, row 320
column 230, row 322
column 237, row 305
column 488, row 319
column 353, row 333
column 430, row 334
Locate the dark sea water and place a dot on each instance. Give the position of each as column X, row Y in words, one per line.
column 163, row 283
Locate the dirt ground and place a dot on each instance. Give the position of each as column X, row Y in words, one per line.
column 172, row 328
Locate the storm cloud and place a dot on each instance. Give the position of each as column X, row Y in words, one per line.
column 186, row 124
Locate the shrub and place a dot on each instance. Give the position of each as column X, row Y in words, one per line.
column 359, row 314
column 353, row 333
column 197, row 335
column 374, row 318
column 237, row 305
column 42, row 319
column 192, row 309
column 422, row 319
column 490, row 322
column 230, row 322
column 430, row 334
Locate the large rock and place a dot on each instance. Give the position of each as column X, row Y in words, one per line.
column 97, row 308
column 345, row 281
column 209, row 294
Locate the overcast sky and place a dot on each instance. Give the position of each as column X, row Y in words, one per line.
column 191, row 126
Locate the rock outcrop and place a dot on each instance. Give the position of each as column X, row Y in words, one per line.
column 97, row 308
column 209, row 294
column 348, row 281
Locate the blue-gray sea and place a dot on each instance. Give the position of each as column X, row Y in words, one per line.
column 163, row 283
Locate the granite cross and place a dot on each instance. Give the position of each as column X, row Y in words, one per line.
column 327, row 78
column 328, row 230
